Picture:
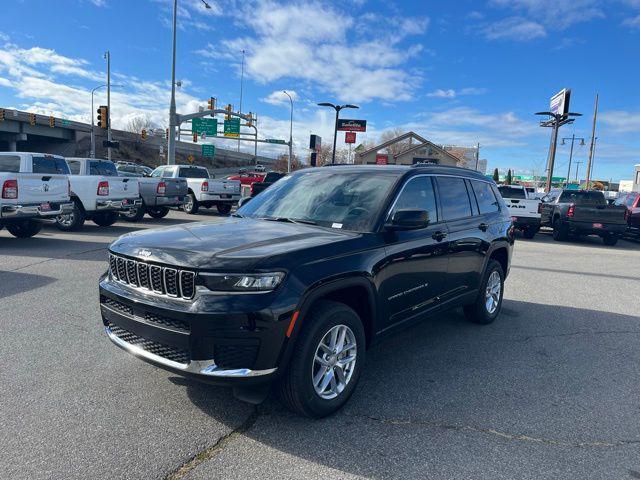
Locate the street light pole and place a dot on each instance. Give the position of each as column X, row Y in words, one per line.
column 241, row 85
column 93, row 133
column 107, row 55
column 171, row 141
column 290, row 132
column 577, row 165
column 573, row 139
column 337, row 108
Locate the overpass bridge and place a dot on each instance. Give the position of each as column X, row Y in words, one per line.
column 28, row 132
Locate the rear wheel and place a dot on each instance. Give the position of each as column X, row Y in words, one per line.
column 488, row 304
column 105, row 219
column 224, row 208
column 610, row 240
column 24, row 229
column 327, row 360
column 560, row 231
column 158, row 212
column 134, row 214
column 73, row 220
column 192, row 205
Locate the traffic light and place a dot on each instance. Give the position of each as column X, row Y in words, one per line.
column 166, row 134
column 211, row 105
column 1, row 114
column 228, row 108
column 195, row 137
column 143, row 134
column 250, row 120
column 52, row 121
column 103, row 116
column 32, row 118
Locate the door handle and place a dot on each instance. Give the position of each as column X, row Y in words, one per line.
column 483, row 227
column 439, row 235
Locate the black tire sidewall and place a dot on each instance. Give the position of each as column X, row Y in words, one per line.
column 224, row 208
column 24, row 229
column 194, row 205
column 333, row 314
column 477, row 312
column 158, row 212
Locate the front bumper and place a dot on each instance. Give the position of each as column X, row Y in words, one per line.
column 221, row 197
column 34, row 210
column 121, row 204
column 170, row 201
column 217, row 339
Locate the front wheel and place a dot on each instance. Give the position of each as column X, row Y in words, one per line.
column 488, row 304
column 224, row 208
column 74, row 220
column 327, row 360
column 610, row 240
column 24, row 229
column 192, row 205
column 134, row 214
column 105, row 219
column 158, row 212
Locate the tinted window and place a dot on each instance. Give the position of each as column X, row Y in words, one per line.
column 187, row 172
column 101, row 167
column 487, row 202
column 631, row 200
column 51, row 165
column 582, row 197
column 74, row 166
column 157, row 172
column 9, row 163
column 510, row 192
column 453, row 198
column 418, row 194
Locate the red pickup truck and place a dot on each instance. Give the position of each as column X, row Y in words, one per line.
column 631, row 200
column 247, row 178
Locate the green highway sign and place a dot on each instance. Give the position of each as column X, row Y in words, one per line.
column 276, row 140
column 208, row 150
column 208, row 126
column 232, row 128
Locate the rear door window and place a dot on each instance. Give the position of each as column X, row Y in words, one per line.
column 74, row 166
column 50, row 165
column 104, row 168
column 187, row 172
column 487, row 201
column 454, row 198
column 10, row 163
column 418, row 194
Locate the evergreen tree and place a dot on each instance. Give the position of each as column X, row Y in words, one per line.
column 496, row 176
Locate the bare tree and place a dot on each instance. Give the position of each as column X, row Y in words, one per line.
column 136, row 124
column 398, row 147
column 280, row 165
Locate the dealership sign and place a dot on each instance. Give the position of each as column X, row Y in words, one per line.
column 382, row 159
column 345, row 125
column 559, row 103
column 349, row 137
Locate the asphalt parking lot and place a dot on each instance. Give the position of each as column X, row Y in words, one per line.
column 550, row 390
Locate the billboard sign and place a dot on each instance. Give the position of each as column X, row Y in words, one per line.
column 345, row 125
column 349, row 137
column 559, row 103
column 382, row 159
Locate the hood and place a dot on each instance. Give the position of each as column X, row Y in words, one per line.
column 235, row 243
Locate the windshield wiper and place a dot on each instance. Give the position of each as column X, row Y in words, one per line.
column 289, row 220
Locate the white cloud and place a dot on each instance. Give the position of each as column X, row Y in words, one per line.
column 451, row 93
column 439, row 93
column 621, row 121
column 556, row 14
column 515, row 28
column 278, row 97
column 633, row 22
column 99, row 3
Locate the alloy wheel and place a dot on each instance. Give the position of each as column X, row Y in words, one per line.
column 334, row 362
column 492, row 293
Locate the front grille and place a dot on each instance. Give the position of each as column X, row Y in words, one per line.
column 235, row 356
column 167, row 322
column 168, row 281
column 117, row 306
column 170, row 353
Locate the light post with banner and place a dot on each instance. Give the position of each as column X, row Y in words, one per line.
column 337, row 108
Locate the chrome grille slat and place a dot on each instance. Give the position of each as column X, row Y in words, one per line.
column 169, row 281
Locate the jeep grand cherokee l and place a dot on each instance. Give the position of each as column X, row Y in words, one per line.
column 300, row 282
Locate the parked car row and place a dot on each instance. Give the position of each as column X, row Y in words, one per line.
column 37, row 186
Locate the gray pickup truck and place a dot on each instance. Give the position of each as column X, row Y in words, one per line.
column 158, row 195
column 583, row 212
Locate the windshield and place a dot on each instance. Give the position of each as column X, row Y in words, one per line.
column 351, row 201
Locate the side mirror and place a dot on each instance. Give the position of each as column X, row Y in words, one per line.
column 408, row 220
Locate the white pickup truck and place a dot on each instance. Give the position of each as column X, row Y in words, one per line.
column 33, row 186
column 523, row 207
column 203, row 190
column 98, row 193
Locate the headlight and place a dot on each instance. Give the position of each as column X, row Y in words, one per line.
column 229, row 282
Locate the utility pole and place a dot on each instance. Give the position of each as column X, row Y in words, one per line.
column 477, row 155
column 592, row 147
column 93, row 133
column 573, row 139
column 290, row 133
column 577, row 165
column 107, row 55
column 241, row 84
column 171, row 141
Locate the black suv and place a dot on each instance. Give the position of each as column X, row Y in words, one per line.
column 298, row 283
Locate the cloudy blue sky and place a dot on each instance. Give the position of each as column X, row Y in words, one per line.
column 455, row 72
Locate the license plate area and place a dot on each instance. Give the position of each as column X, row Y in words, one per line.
column 597, row 225
column 45, row 207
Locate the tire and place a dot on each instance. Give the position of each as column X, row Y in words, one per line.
column 134, row 214
column 105, row 219
column 296, row 387
column 24, row 229
column 192, row 206
column 224, row 208
column 73, row 221
column 560, row 231
column 158, row 212
column 610, row 240
column 529, row 232
column 481, row 311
